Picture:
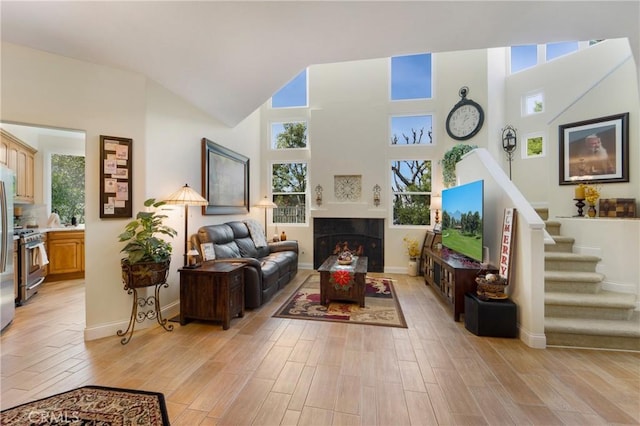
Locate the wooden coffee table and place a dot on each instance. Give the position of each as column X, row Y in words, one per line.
column 354, row 292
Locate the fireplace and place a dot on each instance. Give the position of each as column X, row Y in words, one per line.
column 362, row 236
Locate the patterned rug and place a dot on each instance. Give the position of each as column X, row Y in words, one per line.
column 91, row 405
column 381, row 305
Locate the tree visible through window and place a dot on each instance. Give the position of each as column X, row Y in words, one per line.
column 289, row 191
column 411, row 130
column 289, row 135
column 67, row 187
column 411, row 187
column 289, row 179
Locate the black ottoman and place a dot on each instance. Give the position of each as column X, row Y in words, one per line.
column 495, row 318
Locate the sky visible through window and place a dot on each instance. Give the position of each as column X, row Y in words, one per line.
column 293, row 94
column 411, row 77
column 555, row 50
column 526, row 56
column 523, row 57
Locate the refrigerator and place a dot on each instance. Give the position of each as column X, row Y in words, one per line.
column 7, row 296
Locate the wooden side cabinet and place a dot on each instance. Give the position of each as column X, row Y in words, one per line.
column 212, row 292
column 451, row 276
column 66, row 255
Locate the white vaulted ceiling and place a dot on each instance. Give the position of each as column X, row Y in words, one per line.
column 228, row 58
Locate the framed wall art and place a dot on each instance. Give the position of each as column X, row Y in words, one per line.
column 595, row 151
column 225, row 180
column 115, row 177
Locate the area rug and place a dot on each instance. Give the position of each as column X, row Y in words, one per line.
column 381, row 305
column 91, row 405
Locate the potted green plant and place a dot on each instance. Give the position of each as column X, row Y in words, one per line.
column 449, row 161
column 147, row 255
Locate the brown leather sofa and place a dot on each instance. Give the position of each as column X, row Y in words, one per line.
column 268, row 268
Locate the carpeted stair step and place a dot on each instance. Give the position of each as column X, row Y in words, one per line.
column 570, row 262
column 563, row 244
column 552, row 227
column 607, row 305
column 573, row 282
column 594, row 333
column 543, row 212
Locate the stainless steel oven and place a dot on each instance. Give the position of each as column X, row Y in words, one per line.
column 32, row 258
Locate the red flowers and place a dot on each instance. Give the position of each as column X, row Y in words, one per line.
column 342, row 280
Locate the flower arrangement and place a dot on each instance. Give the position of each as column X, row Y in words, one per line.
column 591, row 193
column 413, row 249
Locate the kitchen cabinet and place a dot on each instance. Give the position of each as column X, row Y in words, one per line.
column 20, row 158
column 66, row 255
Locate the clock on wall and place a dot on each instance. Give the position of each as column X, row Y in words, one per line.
column 465, row 118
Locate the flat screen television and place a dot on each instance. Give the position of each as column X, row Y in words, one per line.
column 462, row 225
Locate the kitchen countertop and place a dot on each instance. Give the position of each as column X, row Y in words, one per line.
column 59, row 229
column 63, row 229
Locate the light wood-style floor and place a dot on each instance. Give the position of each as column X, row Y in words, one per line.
column 272, row 371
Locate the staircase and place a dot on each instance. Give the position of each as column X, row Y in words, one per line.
column 578, row 312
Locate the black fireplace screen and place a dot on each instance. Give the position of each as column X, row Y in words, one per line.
column 363, row 237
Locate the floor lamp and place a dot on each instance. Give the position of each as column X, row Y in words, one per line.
column 188, row 197
column 266, row 204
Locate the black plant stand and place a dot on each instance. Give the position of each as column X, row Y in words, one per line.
column 151, row 313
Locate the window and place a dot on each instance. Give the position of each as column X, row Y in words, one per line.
column 533, row 104
column 411, row 77
column 411, row 188
column 293, row 94
column 555, row 50
column 289, row 135
column 289, row 191
column 533, row 146
column 67, row 187
column 523, row 57
column 411, row 130
column 527, row 56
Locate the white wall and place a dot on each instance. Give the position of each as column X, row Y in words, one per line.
column 597, row 82
column 349, row 114
column 44, row 89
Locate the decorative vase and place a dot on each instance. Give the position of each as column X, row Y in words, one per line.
column 412, row 269
column 592, row 210
column 283, row 236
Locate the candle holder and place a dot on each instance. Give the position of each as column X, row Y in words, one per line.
column 579, row 204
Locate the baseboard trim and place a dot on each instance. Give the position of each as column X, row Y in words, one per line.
column 110, row 329
column 533, row 340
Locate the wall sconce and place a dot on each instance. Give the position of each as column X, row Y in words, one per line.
column 436, row 204
column 509, row 142
column 376, row 195
column 318, row 195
